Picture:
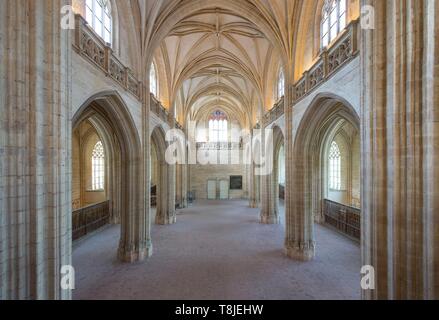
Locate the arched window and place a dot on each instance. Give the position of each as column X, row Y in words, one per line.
column 98, row 16
column 281, row 85
column 281, row 165
column 218, row 127
column 98, row 167
column 333, row 20
column 334, row 167
column 153, row 85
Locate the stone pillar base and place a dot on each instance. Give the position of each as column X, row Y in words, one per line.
column 270, row 219
column 301, row 251
column 319, row 218
column 131, row 255
column 167, row 220
column 253, row 204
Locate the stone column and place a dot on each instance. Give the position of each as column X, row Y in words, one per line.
column 253, row 188
column 169, row 216
column 269, row 214
column 184, row 173
column 252, row 179
column 299, row 242
column 35, row 150
column 266, row 211
column 135, row 243
column 184, row 184
column 400, row 65
column 430, row 112
column 178, row 195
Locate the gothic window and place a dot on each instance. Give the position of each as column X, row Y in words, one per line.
column 281, row 165
column 281, row 85
column 98, row 167
column 218, row 127
column 153, row 85
column 98, row 16
column 334, row 167
column 333, row 20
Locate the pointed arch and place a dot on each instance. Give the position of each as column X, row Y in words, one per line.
column 108, row 112
column 323, row 116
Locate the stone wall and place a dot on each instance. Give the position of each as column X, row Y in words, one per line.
column 344, row 85
column 200, row 174
column 35, row 152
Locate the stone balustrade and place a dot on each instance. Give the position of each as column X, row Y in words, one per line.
column 93, row 48
column 219, row 146
column 160, row 111
column 275, row 113
column 340, row 53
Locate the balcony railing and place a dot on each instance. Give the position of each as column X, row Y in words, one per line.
column 344, row 49
column 90, row 46
column 160, row 111
column 344, row 218
column 219, row 146
column 157, row 108
column 89, row 219
column 275, row 113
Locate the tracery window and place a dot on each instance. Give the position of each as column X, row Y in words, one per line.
column 335, row 167
column 333, row 20
column 218, row 127
column 281, row 85
column 153, row 85
column 98, row 167
column 281, row 165
column 98, row 15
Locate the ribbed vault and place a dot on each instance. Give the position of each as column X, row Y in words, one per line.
column 218, row 54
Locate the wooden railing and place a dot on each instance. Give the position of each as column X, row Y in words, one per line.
column 275, row 113
column 344, row 49
column 344, row 218
column 89, row 219
column 92, row 47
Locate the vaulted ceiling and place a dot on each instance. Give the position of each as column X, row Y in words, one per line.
column 217, row 53
column 214, row 59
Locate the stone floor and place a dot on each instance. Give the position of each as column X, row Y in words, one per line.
column 218, row 250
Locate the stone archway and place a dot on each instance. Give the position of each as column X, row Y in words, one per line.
column 318, row 124
column 112, row 120
column 270, row 213
column 165, row 211
column 277, row 166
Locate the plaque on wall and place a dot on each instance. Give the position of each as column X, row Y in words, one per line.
column 235, row 182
